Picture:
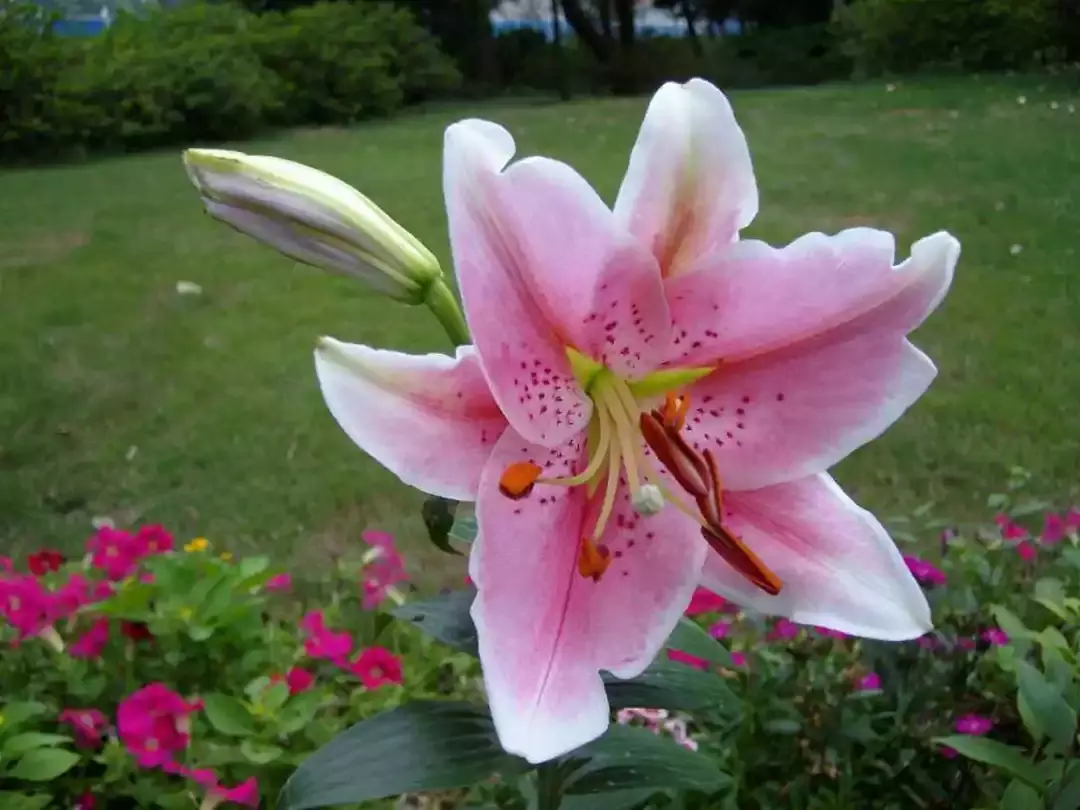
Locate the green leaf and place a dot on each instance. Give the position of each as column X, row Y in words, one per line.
column 18, row 744
column 438, row 514
column 1068, row 789
column 1020, row 796
column 259, row 753
column 670, row 685
column 299, row 711
column 44, row 764
column 616, row 800
column 991, row 752
column 24, row 801
column 15, row 713
column 783, row 725
column 423, row 745
column 228, row 715
column 274, row 698
column 445, row 618
column 1008, row 621
column 465, row 526
column 689, row 638
column 627, row 757
column 1044, row 710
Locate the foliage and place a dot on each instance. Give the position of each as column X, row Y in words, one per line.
column 209, row 71
column 907, row 35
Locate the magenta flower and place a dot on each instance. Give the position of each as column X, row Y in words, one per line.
column 313, row 622
column 298, row 680
column 927, row 642
column 973, row 724
column 739, row 659
column 150, row 540
column 279, row 582
column 947, row 752
column 827, row 632
column 91, row 643
column 705, row 601
column 245, row 794
column 154, row 724
column 1072, row 520
column 696, row 358
column 87, row 724
column 720, row 630
column 966, row 643
column 923, row 571
column 995, row 637
column 79, row 592
column 6, row 566
column 86, row 801
column 783, row 630
column 688, row 659
column 869, row 682
column 322, row 642
column 376, row 667
column 114, row 552
column 1027, row 551
column 1009, row 530
column 27, row 605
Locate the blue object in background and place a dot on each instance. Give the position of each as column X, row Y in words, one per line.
column 80, row 26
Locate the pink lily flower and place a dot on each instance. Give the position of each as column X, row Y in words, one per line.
column 650, row 404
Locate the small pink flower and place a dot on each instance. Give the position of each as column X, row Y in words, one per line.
column 705, row 601
column 114, row 552
column 1053, row 529
column 947, row 752
column 88, row 725
column 650, row 717
column 966, row 643
column 1027, row 551
column 1009, row 530
column 923, row 571
column 136, row 631
column 85, row 802
column 246, row 793
column 6, row 565
column 995, row 636
column 329, row 646
column 44, row 562
column 739, row 659
column 685, row 658
column 150, row 540
column 1072, row 520
column 870, row 681
column 313, row 622
column 298, row 680
column 78, row 592
column 828, row 632
column 384, row 541
column 279, row 582
column 91, row 643
column 154, row 724
column 720, row 630
column 376, row 666
column 784, row 630
column 384, row 569
column 200, row 776
column 27, row 605
column 927, row 642
column 973, row 724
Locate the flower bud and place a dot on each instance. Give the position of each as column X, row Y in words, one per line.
column 314, row 218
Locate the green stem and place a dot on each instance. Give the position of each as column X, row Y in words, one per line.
column 548, row 787
column 445, row 307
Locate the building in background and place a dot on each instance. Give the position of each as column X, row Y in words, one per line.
column 513, row 15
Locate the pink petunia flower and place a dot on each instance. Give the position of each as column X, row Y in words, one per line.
column 583, row 316
column 298, row 680
column 245, row 794
column 114, row 552
column 966, row 643
column 705, row 601
column 923, row 571
column 869, row 682
column 27, row 605
column 927, row 642
column 995, row 636
column 688, row 659
column 78, row 592
column 973, row 724
column 376, row 666
column 86, row 801
column 384, row 568
column 1027, row 551
column 784, row 630
column 739, row 659
column 91, row 643
column 136, row 631
column 6, row 566
column 1072, row 520
column 325, row 644
column 279, row 582
column 720, row 630
column 1053, row 529
column 150, row 540
column 947, row 752
column 1009, row 530
column 827, row 632
column 313, row 622
column 88, row 725
column 154, row 724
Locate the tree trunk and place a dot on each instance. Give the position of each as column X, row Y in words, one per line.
column 624, row 12
column 604, row 8
column 690, row 15
column 583, row 27
column 560, row 57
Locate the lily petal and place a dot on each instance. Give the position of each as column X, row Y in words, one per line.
column 797, row 412
column 429, row 419
column 838, row 565
column 544, row 630
column 535, row 244
column 755, row 298
column 690, row 185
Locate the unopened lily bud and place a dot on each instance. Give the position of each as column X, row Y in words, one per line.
column 314, row 218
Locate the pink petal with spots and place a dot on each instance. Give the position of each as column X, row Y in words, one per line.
column 838, row 566
column 797, row 412
column 545, row 631
column 542, row 267
column 429, row 419
column 754, row 298
column 690, row 185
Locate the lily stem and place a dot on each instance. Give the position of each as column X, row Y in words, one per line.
column 440, row 300
column 548, row 787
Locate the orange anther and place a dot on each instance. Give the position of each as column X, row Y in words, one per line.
column 593, row 559
column 518, row 479
column 674, row 410
column 736, row 554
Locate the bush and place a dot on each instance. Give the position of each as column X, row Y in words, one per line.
column 906, row 35
column 207, row 71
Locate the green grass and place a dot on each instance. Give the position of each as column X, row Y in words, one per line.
column 119, row 397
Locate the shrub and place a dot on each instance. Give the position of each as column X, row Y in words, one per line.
column 906, row 35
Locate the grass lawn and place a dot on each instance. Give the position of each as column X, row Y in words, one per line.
column 120, row 397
